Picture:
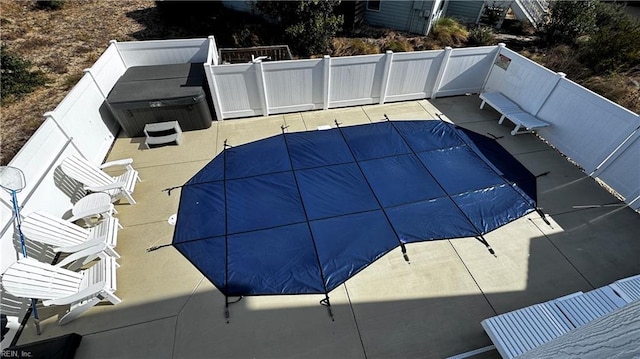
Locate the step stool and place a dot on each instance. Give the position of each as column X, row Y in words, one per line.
column 162, row 133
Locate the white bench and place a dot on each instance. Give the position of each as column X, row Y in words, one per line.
column 525, row 122
column 628, row 288
column 521, row 330
column 162, row 133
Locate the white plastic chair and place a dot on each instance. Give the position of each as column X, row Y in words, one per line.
column 95, row 179
column 29, row 278
column 68, row 237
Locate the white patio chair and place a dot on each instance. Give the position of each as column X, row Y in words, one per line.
column 29, row 278
column 95, row 179
column 77, row 260
column 68, row 237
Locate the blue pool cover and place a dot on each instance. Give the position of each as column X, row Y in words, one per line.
column 300, row 213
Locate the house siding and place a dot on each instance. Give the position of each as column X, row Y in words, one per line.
column 466, row 11
column 400, row 15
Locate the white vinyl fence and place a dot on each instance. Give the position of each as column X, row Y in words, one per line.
column 265, row 88
column 599, row 135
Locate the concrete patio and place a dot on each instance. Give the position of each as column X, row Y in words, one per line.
column 430, row 308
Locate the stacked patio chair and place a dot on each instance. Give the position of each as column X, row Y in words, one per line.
column 85, row 277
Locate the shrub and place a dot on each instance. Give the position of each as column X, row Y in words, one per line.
column 615, row 45
column 568, row 21
column 562, row 58
column 481, row 35
column 16, row 79
column 308, row 26
column 493, row 13
column 448, row 32
column 396, row 45
column 517, row 27
column 245, row 38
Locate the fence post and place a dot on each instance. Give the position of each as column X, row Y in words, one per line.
column 115, row 44
column 559, row 77
column 104, row 96
column 51, row 115
column 500, row 47
column 262, row 87
column 617, row 152
column 88, row 71
column 212, row 55
column 385, row 76
column 326, row 83
column 441, row 71
column 213, row 89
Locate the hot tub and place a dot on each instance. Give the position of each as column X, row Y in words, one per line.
column 150, row 94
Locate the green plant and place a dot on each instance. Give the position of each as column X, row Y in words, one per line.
column 615, row 45
column 481, row 36
column 494, row 12
column 15, row 77
column 308, row 25
column 50, row 4
column 448, row 32
column 569, row 20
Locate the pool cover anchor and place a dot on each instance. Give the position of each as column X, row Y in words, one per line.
column 226, row 307
column 404, row 253
column 539, row 209
column 169, row 189
column 325, row 302
column 484, row 241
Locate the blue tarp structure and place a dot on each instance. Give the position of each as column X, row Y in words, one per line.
column 300, row 213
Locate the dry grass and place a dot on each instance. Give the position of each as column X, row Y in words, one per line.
column 621, row 88
column 624, row 89
column 61, row 44
column 375, row 40
column 449, row 32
